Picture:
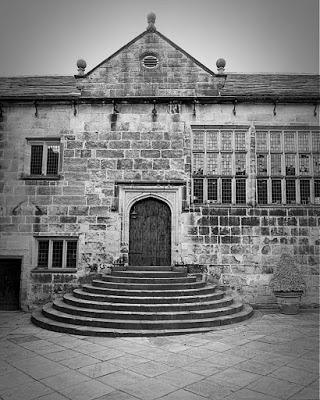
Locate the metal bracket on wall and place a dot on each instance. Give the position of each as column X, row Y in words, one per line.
column 234, row 107
column 154, row 111
column 275, row 108
column 315, row 110
column 36, row 114
column 74, row 107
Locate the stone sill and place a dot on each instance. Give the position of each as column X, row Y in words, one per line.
column 41, row 177
column 54, row 271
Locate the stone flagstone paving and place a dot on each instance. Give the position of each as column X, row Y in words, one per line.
column 270, row 357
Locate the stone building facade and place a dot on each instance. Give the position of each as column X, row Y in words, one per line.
column 230, row 163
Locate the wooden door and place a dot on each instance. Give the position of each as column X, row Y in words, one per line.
column 150, row 233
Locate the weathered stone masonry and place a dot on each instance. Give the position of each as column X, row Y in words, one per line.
column 106, row 156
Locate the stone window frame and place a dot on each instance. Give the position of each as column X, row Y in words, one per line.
column 226, row 151
column 295, row 150
column 45, row 142
column 51, row 239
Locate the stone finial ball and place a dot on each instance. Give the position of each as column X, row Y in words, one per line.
column 151, row 18
column 221, row 63
column 81, row 63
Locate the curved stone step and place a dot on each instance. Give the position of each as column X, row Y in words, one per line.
column 148, row 286
column 102, row 297
column 142, row 316
column 199, row 305
column 149, row 292
column 142, row 324
column 149, row 280
column 149, row 274
column 148, row 268
column 40, row 320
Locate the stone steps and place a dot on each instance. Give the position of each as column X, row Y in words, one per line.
column 40, row 320
column 148, row 307
column 152, row 286
column 132, row 324
column 149, row 280
column 92, row 296
column 60, row 305
column 142, row 301
column 148, row 292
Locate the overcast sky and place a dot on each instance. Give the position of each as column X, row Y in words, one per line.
column 41, row 37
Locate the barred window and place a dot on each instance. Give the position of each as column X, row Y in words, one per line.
column 57, row 253
column 219, row 159
column 286, row 158
column 44, row 157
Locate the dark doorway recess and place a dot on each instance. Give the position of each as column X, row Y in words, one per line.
column 10, row 271
column 150, row 233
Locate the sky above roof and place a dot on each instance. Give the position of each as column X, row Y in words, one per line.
column 46, row 37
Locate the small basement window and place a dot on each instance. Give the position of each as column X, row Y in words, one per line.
column 57, row 253
column 150, row 61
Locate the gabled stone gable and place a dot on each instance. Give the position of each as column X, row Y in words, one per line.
column 123, row 74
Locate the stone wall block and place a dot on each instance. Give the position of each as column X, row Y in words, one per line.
column 119, row 144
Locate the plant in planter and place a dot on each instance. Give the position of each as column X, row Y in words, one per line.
column 288, row 285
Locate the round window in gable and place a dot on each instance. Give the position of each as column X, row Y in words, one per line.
column 150, row 61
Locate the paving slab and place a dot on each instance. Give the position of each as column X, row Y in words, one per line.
column 270, row 357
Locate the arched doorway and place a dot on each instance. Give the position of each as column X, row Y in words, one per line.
column 150, row 233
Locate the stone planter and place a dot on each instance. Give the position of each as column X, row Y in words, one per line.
column 289, row 302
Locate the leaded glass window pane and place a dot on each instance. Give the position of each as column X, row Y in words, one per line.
column 291, row 191
column 240, row 159
column 36, row 159
column 226, row 167
column 226, row 140
column 262, row 191
column 212, row 140
column 53, row 160
column 212, row 190
column 198, row 140
column 240, row 191
column 290, row 160
column 316, row 164
column 305, row 191
column 71, row 261
column 43, row 253
column 303, row 141
column 262, row 165
column 198, row 163
column 226, row 191
column 304, row 164
column 262, row 141
column 275, row 141
column 276, row 191
column 212, row 163
column 57, row 253
column 289, row 141
column 275, row 164
column 315, row 141
column 240, row 141
column 198, row 190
